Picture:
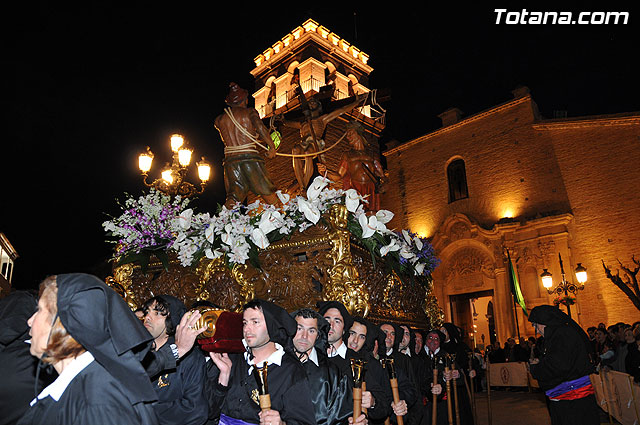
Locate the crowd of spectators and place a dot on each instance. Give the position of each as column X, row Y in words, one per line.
column 616, row 347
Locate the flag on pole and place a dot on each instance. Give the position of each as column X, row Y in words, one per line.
column 515, row 286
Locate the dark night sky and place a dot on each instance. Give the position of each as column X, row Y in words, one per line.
column 88, row 88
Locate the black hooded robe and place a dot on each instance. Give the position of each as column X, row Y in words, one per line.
column 17, row 365
column 288, row 383
column 407, row 385
column 181, row 396
column 376, row 378
column 331, row 393
column 566, row 358
column 93, row 397
column 114, row 388
column 459, row 351
column 435, row 361
column 288, row 388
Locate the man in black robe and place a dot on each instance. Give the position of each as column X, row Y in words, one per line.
column 563, row 371
column 402, row 364
column 377, row 397
column 330, row 390
column 181, row 397
column 458, row 353
column 232, row 388
column 340, row 322
column 436, row 360
column 407, row 347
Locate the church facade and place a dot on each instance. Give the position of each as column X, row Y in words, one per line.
column 507, row 180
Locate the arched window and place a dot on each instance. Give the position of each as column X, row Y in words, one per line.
column 457, row 177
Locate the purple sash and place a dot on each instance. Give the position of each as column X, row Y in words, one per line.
column 568, row 386
column 226, row 420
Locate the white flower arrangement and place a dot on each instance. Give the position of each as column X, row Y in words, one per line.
column 239, row 233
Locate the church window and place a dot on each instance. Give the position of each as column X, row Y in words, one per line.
column 457, row 180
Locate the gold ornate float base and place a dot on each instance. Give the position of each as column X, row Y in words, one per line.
column 322, row 263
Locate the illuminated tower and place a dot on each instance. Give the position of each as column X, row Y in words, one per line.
column 325, row 66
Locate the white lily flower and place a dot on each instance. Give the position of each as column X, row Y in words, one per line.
column 418, row 243
column 210, row 233
column 369, row 226
column 419, row 268
column 393, row 246
column 212, row 254
column 184, row 219
column 352, row 200
column 259, row 238
column 407, row 237
column 310, row 212
column 227, row 239
column 283, row 197
column 405, row 253
column 384, row 216
column 380, row 227
column 269, row 221
column 316, row 187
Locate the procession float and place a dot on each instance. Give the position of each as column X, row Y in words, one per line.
column 313, row 232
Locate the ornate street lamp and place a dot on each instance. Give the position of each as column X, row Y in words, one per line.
column 172, row 181
column 565, row 286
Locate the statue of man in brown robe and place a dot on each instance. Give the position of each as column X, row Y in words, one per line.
column 244, row 169
column 359, row 170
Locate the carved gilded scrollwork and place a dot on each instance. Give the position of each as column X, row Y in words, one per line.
column 344, row 284
column 293, row 277
column 434, row 313
column 247, row 289
column 218, row 285
column 391, row 295
column 121, row 282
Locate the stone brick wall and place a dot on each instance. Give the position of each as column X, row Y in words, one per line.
column 510, row 171
column 526, row 168
column 599, row 166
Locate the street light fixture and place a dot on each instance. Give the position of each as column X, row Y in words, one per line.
column 172, row 181
column 565, row 286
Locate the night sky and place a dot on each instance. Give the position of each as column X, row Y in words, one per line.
column 86, row 89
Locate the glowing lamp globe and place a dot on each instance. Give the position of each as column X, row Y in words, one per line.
column 184, row 157
column 204, row 170
column 547, row 280
column 581, row 273
column 145, row 160
column 176, row 142
column 166, row 176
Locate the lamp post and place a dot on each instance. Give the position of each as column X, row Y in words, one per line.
column 173, row 181
column 565, row 286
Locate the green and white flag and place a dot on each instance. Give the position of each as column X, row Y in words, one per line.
column 515, row 286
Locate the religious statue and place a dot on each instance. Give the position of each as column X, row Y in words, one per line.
column 240, row 128
column 312, row 136
column 359, row 170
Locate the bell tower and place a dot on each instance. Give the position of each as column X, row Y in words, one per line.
column 324, row 66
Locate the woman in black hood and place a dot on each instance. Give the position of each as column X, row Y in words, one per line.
column 90, row 336
column 563, row 372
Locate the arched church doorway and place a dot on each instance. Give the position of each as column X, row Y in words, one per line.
column 473, row 312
